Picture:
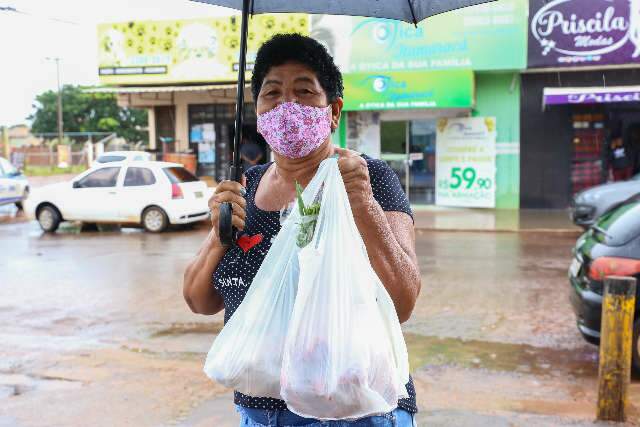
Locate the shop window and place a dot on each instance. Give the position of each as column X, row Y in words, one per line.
column 587, row 164
column 211, row 132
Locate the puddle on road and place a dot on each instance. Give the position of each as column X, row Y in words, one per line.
column 520, row 358
column 189, row 328
column 18, row 384
column 434, row 351
column 178, row 341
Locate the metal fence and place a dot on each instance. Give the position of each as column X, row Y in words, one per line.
column 78, row 149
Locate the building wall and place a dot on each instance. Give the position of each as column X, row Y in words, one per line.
column 546, row 135
column 181, row 101
column 498, row 95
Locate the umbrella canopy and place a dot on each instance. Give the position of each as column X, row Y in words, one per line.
column 412, row 11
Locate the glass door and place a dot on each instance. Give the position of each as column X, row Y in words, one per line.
column 409, row 148
column 422, row 161
column 393, row 148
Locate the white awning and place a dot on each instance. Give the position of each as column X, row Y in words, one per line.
column 162, row 89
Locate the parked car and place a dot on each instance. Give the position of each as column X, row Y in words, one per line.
column 14, row 187
column 610, row 247
column 148, row 193
column 123, row 156
column 589, row 205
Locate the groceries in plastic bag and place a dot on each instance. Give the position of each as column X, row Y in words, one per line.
column 344, row 356
column 247, row 354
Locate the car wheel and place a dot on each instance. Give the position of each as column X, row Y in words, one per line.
column 155, row 220
column 49, row 218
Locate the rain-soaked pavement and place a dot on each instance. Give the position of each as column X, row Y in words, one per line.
column 94, row 331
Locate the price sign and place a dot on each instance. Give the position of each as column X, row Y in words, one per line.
column 466, row 162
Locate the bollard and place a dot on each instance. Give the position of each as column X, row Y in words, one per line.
column 616, row 334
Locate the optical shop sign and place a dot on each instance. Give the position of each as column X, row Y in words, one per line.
column 466, row 162
column 566, row 33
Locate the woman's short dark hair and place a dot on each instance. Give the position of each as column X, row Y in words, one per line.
column 283, row 48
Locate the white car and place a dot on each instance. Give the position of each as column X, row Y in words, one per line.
column 14, row 187
column 122, row 156
column 151, row 194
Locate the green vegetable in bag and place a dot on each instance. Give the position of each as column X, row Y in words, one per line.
column 308, row 219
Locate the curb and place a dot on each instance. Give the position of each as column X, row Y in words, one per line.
column 576, row 232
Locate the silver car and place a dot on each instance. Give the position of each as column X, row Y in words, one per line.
column 589, row 205
column 14, row 187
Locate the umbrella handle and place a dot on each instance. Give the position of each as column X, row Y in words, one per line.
column 226, row 230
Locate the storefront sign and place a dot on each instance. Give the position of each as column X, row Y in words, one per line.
column 565, row 33
column 408, row 90
column 466, row 162
column 181, row 51
column 591, row 95
column 491, row 36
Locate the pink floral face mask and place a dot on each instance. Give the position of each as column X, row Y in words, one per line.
column 293, row 130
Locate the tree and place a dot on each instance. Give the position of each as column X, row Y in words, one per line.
column 88, row 112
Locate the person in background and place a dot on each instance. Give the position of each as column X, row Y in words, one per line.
column 620, row 160
column 250, row 153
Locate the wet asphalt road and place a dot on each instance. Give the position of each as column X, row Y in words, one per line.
column 93, row 327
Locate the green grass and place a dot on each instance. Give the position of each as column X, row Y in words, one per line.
column 48, row 171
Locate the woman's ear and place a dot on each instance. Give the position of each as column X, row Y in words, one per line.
column 336, row 111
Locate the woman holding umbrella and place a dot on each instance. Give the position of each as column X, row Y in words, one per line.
column 298, row 93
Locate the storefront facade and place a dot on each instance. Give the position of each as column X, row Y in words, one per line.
column 580, row 97
column 406, row 88
column 183, row 72
column 408, row 91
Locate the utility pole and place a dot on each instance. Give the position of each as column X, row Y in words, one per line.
column 60, row 124
column 4, row 135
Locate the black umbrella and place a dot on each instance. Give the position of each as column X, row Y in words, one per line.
column 412, row 11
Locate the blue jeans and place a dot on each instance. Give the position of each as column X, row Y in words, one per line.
column 283, row 418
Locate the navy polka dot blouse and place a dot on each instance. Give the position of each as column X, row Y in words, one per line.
column 240, row 264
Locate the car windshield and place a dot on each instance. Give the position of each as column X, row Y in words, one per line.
column 619, row 226
column 635, row 177
column 177, row 175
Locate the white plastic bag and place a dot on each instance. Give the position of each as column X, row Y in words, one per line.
column 247, row 354
column 344, row 356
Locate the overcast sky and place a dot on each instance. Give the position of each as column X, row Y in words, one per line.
column 66, row 29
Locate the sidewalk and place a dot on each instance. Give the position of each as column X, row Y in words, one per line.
column 465, row 219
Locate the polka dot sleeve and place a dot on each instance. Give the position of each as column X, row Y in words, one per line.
column 386, row 187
